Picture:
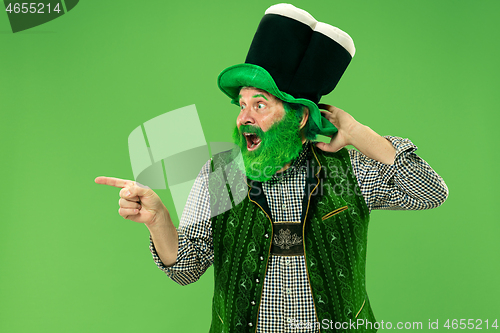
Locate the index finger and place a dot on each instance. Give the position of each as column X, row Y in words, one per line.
column 116, row 182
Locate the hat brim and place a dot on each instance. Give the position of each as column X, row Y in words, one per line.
column 233, row 78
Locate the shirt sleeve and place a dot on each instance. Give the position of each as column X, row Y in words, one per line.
column 408, row 184
column 195, row 251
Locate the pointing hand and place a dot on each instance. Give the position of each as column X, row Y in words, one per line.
column 137, row 202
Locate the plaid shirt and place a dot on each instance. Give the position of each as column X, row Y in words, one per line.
column 287, row 303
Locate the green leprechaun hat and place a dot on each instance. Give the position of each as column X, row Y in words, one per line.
column 295, row 58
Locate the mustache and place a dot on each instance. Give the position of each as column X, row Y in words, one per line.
column 250, row 129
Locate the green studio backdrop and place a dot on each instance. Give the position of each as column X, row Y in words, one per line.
column 72, row 90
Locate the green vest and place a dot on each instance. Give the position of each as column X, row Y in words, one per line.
column 335, row 237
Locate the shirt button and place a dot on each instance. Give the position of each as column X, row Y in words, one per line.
column 250, row 324
column 288, row 291
column 257, row 280
column 287, row 262
column 252, row 302
column 261, row 258
column 266, row 235
column 284, row 206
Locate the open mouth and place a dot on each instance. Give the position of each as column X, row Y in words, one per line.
column 253, row 141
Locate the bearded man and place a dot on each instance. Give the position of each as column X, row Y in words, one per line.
column 289, row 254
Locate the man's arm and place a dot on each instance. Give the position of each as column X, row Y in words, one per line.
column 389, row 173
column 140, row 204
column 164, row 236
column 195, row 247
column 183, row 255
column 410, row 183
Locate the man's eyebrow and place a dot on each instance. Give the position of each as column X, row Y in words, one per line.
column 255, row 96
column 260, row 95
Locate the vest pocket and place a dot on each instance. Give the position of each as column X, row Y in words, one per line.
column 335, row 212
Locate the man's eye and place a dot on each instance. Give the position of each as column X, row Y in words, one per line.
column 261, row 105
column 242, row 106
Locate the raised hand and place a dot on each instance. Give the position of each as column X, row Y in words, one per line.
column 351, row 132
column 344, row 123
column 137, row 202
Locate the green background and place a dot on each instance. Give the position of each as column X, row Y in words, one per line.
column 73, row 89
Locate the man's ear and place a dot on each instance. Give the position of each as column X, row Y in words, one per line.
column 305, row 116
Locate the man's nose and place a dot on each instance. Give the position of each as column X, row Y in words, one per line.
column 245, row 117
